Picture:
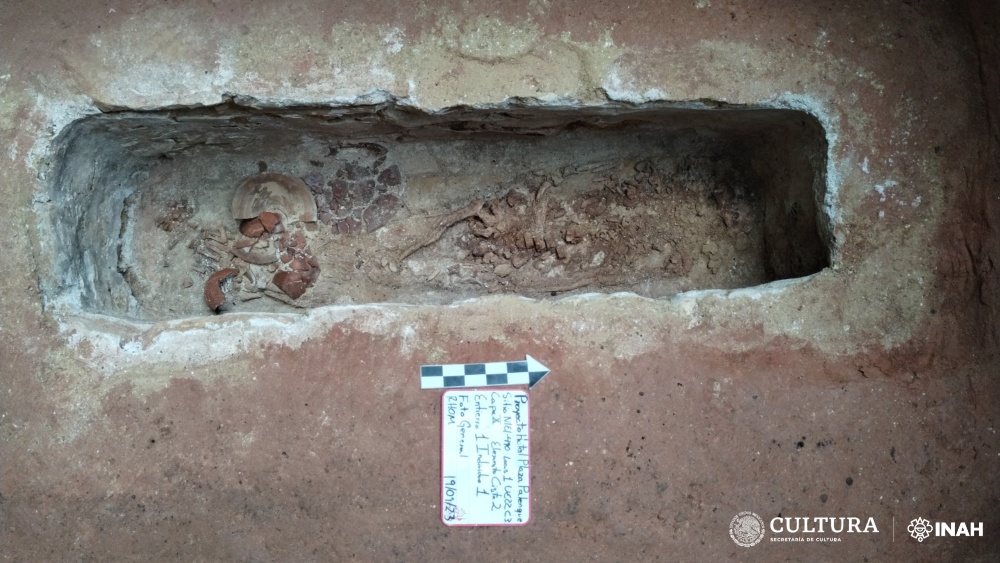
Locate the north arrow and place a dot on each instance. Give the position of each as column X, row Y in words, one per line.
column 491, row 374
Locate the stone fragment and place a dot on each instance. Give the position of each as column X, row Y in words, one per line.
column 380, row 212
column 354, row 171
column 364, row 191
column 349, row 226
column 339, row 195
column 390, row 176
column 315, row 181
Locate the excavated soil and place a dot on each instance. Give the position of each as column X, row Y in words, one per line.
column 608, row 226
column 433, row 214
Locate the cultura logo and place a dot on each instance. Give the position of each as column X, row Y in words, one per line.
column 920, row 529
column 746, row 529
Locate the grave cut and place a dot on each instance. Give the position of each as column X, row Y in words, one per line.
column 429, row 207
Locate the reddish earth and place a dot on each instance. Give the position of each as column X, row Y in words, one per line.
column 868, row 391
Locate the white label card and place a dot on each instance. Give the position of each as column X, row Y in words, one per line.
column 485, row 458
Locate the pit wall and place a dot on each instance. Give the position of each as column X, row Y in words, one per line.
column 883, row 201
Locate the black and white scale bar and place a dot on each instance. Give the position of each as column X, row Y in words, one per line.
column 450, row 376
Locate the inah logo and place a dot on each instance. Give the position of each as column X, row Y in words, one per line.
column 746, row 529
column 920, row 529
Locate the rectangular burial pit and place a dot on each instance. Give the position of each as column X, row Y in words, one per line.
column 169, row 214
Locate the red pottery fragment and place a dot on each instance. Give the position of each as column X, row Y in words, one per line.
column 270, row 220
column 214, row 296
column 294, row 284
column 252, row 228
